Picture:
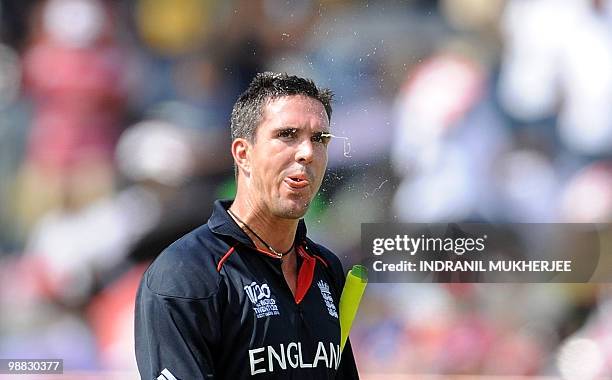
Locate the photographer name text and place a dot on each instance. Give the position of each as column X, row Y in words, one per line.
column 475, row 266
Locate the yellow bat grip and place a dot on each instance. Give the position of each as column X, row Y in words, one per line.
column 356, row 281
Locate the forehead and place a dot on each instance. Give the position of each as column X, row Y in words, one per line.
column 295, row 111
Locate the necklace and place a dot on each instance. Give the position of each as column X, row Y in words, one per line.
column 272, row 250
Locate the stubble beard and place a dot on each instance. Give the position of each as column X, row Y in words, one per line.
column 292, row 212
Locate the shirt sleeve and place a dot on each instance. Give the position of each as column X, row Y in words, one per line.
column 175, row 336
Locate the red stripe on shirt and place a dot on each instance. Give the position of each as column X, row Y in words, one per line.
column 224, row 258
column 305, row 275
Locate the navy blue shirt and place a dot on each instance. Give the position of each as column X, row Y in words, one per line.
column 213, row 306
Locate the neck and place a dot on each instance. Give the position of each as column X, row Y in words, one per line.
column 279, row 233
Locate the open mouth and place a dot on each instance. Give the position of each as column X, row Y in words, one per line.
column 297, row 181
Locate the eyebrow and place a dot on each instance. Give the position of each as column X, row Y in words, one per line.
column 278, row 129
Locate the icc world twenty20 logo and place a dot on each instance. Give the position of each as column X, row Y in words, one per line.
column 261, row 298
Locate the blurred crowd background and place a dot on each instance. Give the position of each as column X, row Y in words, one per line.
column 114, row 141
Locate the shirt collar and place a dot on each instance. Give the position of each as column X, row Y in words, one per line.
column 221, row 222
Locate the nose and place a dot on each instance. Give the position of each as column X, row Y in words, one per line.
column 305, row 152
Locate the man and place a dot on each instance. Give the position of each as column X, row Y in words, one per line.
column 248, row 294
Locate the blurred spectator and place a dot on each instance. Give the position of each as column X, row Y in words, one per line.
column 558, row 58
column 78, row 108
column 446, row 134
column 114, row 141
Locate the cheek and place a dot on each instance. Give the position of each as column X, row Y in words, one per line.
column 269, row 172
column 322, row 162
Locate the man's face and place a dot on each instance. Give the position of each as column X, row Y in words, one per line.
column 289, row 156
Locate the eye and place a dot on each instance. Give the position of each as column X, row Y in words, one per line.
column 321, row 137
column 287, row 133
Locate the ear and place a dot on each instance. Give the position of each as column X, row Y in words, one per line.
column 241, row 153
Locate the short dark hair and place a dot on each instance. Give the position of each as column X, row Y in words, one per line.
column 248, row 110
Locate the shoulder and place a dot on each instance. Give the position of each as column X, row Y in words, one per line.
column 332, row 261
column 187, row 268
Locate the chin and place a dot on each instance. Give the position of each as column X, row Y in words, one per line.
column 293, row 209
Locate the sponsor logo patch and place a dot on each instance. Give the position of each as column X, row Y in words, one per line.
column 166, row 375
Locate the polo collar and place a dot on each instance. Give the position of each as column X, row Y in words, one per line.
column 222, row 223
